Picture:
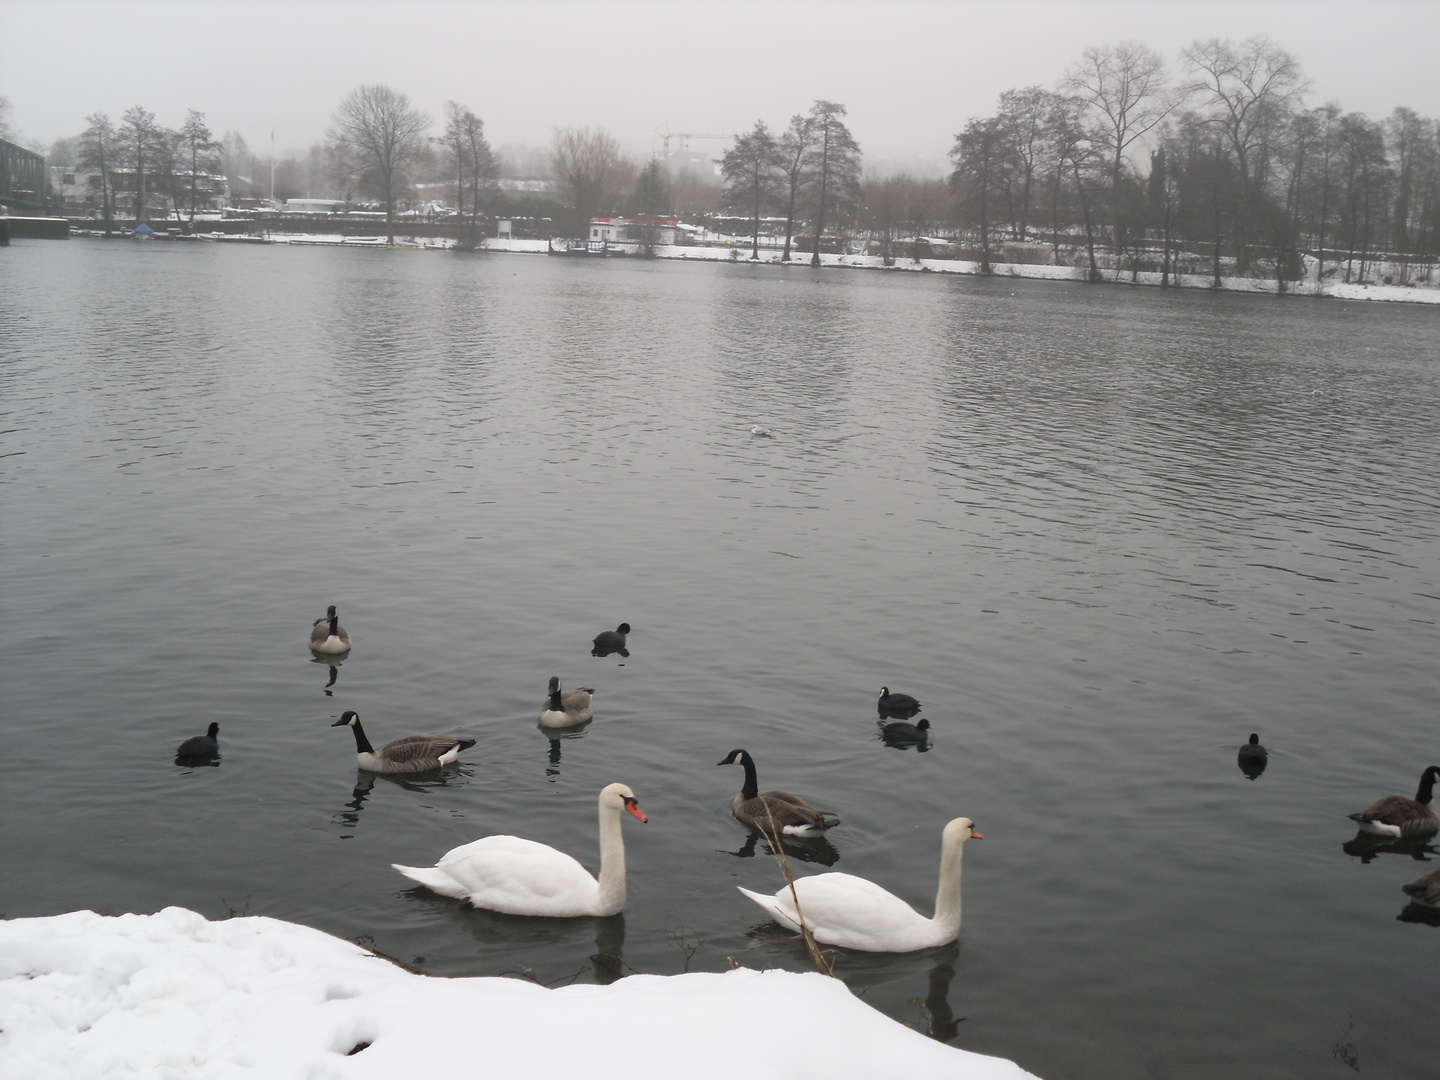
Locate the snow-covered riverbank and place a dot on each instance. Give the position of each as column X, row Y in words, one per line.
column 172, row 994
column 1337, row 290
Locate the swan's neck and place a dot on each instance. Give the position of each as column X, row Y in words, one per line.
column 612, row 862
column 947, row 896
column 362, row 744
column 752, row 787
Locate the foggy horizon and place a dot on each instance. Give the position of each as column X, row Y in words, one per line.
column 911, row 74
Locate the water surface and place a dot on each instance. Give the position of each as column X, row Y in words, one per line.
column 1102, row 534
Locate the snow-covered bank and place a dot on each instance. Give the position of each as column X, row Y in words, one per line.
column 172, row 995
column 1394, row 293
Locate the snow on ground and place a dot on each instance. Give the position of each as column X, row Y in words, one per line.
column 173, row 995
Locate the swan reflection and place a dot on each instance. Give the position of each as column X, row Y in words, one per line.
column 1367, row 846
column 814, row 849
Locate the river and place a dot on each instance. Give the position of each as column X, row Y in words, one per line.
column 1102, row 534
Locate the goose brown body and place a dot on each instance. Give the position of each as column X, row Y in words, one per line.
column 766, row 812
column 1396, row 815
column 564, row 708
column 1425, row 889
column 328, row 636
column 411, row 754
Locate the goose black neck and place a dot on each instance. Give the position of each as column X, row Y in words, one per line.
column 334, row 625
column 556, row 705
column 362, row 744
column 751, row 788
column 1427, row 785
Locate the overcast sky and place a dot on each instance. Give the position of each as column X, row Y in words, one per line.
column 911, row 72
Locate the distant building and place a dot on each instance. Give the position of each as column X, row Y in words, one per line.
column 313, row 206
column 22, row 180
column 620, row 230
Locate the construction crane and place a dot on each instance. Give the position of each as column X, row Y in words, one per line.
column 666, row 135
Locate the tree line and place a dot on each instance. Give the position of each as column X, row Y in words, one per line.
column 1239, row 168
column 1127, row 163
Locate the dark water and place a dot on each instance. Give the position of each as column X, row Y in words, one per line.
column 1101, row 534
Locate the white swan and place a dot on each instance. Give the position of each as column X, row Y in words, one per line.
column 853, row 913
column 521, row 877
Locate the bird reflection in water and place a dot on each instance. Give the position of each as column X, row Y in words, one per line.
column 552, row 769
column 813, row 849
column 334, row 665
column 609, row 960
column 1419, row 913
column 349, row 818
column 939, row 1017
column 916, row 738
column 1367, row 846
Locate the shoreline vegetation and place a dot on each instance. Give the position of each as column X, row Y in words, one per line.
column 738, row 255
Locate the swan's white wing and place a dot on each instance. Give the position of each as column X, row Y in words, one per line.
column 521, row 877
column 851, row 912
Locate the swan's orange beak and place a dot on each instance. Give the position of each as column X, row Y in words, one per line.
column 975, row 835
column 634, row 808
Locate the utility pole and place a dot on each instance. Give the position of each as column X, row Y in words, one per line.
column 272, row 168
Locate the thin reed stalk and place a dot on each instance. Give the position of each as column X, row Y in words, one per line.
column 821, row 965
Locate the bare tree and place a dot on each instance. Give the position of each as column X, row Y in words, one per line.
column 1023, row 117
column 834, row 165
column 138, row 145
column 7, row 127
column 977, row 153
column 591, row 170
column 470, row 159
column 1249, row 89
column 200, row 152
column 794, row 152
column 378, row 138
column 1124, row 91
column 97, row 152
column 751, row 171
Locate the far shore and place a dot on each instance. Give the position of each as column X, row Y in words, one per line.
column 1405, row 294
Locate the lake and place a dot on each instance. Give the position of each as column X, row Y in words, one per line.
column 1102, row 534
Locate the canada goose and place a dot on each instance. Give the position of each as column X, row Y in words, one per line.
column 612, row 640
column 565, row 708
column 900, row 731
column 792, row 815
column 521, row 877
column 1425, row 889
column 412, row 754
column 1395, row 815
column 328, row 636
column 855, row 913
column 206, row 745
column 896, row 704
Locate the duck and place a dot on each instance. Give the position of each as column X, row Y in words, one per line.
column 792, row 815
column 896, row 704
column 521, row 877
column 328, row 636
column 612, row 640
column 1252, row 758
column 1252, row 753
column 900, row 731
column 1396, row 815
column 412, row 754
column 1425, row 889
column 854, row 913
column 566, row 708
column 206, row 745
